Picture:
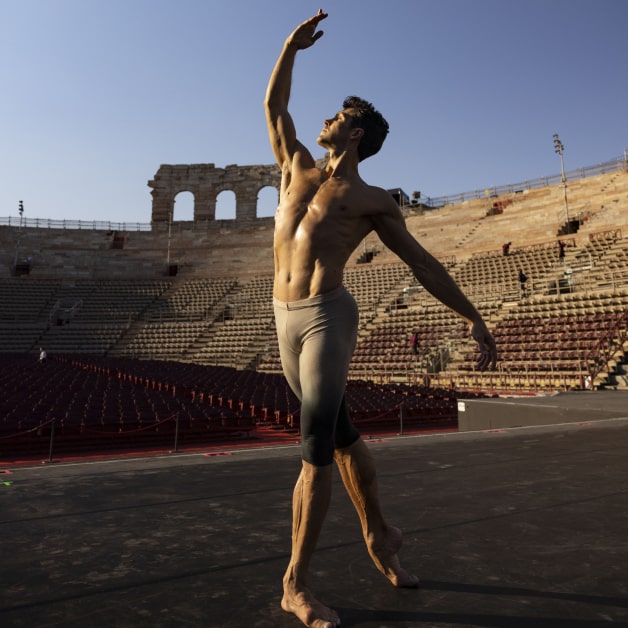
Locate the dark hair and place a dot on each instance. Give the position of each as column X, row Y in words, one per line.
column 366, row 117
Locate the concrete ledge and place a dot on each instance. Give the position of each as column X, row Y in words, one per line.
column 571, row 407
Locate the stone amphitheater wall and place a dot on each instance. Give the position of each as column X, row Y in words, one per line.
column 242, row 247
column 206, row 182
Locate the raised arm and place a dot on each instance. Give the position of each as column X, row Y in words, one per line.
column 391, row 228
column 283, row 138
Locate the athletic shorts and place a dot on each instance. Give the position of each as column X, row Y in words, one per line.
column 317, row 337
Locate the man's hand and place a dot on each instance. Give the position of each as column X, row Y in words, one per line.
column 487, row 346
column 305, row 34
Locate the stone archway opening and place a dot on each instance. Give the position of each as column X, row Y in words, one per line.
column 267, row 201
column 226, row 205
column 183, row 206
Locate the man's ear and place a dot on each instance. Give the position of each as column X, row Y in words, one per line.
column 357, row 134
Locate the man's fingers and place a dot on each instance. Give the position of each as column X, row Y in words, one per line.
column 483, row 360
column 305, row 33
column 487, row 357
column 313, row 21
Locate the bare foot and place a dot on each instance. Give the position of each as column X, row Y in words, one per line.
column 386, row 560
column 309, row 610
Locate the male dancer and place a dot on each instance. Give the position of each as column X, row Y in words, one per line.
column 323, row 215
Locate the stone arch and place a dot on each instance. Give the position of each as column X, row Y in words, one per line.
column 226, row 205
column 205, row 182
column 267, row 201
column 183, row 205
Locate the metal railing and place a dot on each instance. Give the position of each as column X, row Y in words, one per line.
column 83, row 225
column 616, row 164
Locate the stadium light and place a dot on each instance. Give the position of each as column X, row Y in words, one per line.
column 20, row 210
column 559, row 149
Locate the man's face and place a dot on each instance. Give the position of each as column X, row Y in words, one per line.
column 336, row 130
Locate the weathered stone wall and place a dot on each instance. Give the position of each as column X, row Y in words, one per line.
column 206, row 182
column 243, row 247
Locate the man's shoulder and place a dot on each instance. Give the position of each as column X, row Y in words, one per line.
column 381, row 199
column 379, row 192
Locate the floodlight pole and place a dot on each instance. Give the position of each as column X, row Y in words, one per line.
column 19, row 235
column 559, row 149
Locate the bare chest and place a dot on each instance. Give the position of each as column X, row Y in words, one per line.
column 314, row 210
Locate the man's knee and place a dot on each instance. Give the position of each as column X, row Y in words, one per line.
column 317, row 450
column 346, row 436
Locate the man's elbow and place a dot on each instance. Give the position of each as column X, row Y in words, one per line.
column 269, row 108
column 275, row 102
column 427, row 269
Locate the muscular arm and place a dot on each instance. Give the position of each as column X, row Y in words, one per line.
column 281, row 131
column 391, row 228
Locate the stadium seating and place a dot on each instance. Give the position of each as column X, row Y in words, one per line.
column 130, row 349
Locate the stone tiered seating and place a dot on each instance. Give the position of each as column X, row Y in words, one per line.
column 530, row 216
column 111, row 301
column 372, row 285
column 22, row 301
column 235, row 342
column 91, row 316
column 165, row 340
column 487, row 275
column 223, row 292
column 245, row 329
column 78, row 337
column 21, row 337
column 610, row 269
column 190, row 299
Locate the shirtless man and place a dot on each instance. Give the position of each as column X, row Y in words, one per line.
column 323, row 215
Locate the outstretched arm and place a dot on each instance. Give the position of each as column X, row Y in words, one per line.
column 391, row 228
column 281, row 131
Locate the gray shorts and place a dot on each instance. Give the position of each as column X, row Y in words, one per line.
column 317, row 337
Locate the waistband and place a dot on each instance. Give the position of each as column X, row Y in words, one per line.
column 319, row 299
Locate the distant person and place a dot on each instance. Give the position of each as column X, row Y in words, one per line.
column 561, row 249
column 414, row 343
column 523, row 280
column 506, row 248
column 43, row 356
column 323, row 215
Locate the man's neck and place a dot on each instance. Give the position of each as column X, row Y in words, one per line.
column 342, row 164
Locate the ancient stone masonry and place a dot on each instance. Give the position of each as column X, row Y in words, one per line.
column 206, row 182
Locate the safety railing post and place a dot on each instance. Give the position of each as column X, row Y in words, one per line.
column 52, row 440
column 176, row 435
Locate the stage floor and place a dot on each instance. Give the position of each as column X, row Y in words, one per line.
column 517, row 527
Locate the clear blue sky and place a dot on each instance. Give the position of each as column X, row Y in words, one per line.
column 96, row 95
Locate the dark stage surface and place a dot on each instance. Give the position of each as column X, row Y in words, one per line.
column 523, row 527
